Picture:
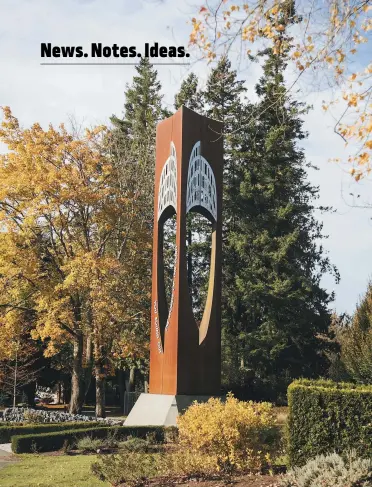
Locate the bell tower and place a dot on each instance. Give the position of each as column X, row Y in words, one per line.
column 185, row 357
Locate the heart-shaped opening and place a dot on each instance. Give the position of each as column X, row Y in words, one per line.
column 200, row 268
column 167, row 256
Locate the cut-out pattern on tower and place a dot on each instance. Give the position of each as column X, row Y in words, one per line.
column 168, row 183
column 201, row 183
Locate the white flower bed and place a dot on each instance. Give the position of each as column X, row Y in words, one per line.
column 21, row 415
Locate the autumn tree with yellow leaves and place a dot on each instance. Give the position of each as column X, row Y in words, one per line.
column 72, row 245
column 329, row 36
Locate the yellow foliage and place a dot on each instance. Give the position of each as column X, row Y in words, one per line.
column 189, row 463
column 235, row 435
column 70, row 232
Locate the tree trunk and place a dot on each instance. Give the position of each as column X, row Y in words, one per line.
column 88, row 369
column 132, row 379
column 15, row 379
column 66, row 390
column 129, row 379
column 100, row 375
column 59, row 392
column 77, row 378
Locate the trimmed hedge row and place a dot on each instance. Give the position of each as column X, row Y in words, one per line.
column 326, row 417
column 6, row 432
column 58, row 439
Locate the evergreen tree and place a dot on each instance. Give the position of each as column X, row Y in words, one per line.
column 225, row 101
column 275, row 304
column 132, row 139
column 356, row 341
column 224, row 97
column 142, row 107
column 189, row 95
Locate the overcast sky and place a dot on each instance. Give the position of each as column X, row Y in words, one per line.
column 92, row 93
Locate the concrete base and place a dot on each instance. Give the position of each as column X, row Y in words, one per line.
column 160, row 409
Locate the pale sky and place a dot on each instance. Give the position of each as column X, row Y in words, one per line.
column 91, row 94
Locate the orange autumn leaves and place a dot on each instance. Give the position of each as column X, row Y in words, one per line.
column 327, row 36
column 69, row 238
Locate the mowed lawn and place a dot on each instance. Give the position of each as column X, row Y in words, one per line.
column 50, row 471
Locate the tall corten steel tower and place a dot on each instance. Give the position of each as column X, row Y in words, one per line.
column 185, row 358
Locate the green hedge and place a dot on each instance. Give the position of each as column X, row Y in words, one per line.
column 325, row 417
column 56, row 440
column 6, row 432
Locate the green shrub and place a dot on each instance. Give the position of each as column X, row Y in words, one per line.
column 138, row 445
column 56, row 440
column 326, row 417
column 6, row 432
column 111, row 440
column 53, row 441
column 171, row 434
column 131, row 468
column 89, row 444
column 331, row 471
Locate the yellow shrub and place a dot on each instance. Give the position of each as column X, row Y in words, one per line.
column 236, row 435
column 186, row 462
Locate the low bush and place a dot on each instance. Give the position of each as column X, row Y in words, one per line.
column 89, row 444
column 326, row 417
column 137, row 445
column 171, row 434
column 53, row 441
column 112, row 439
column 56, row 440
column 157, row 433
column 7, row 431
column 132, row 469
column 188, row 463
column 331, row 471
column 236, row 435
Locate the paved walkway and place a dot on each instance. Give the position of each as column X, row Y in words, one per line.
column 5, row 447
column 6, row 455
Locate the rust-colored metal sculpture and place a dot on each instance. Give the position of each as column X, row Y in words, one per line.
column 185, row 359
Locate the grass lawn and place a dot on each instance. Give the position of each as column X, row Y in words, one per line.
column 50, row 471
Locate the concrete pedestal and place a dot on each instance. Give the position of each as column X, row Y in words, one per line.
column 160, row 409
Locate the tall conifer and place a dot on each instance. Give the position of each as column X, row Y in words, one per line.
column 275, row 304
